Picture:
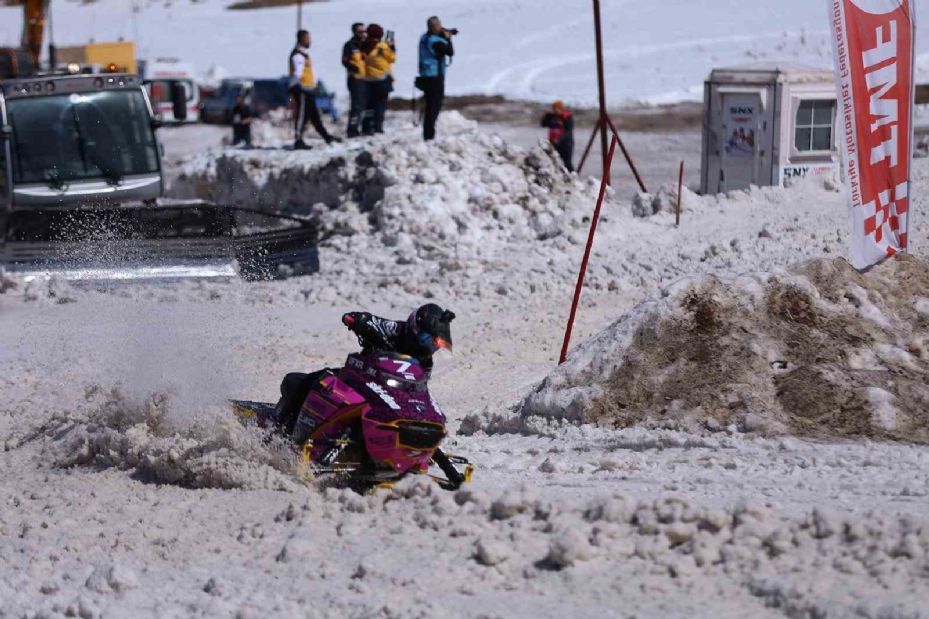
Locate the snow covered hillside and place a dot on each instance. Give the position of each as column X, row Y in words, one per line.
column 656, row 51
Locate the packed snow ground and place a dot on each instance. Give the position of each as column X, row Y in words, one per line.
column 129, row 490
column 539, row 49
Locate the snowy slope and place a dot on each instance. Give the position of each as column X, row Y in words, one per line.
column 533, row 49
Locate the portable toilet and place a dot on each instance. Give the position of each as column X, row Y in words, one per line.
column 764, row 124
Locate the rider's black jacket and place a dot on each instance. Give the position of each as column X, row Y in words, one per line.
column 376, row 333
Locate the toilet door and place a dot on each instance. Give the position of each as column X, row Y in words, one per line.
column 741, row 137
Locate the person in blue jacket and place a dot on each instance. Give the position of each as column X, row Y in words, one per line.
column 435, row 50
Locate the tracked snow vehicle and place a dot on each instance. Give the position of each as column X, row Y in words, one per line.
column 81, row 190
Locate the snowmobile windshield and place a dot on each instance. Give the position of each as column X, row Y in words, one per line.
column 98, row 135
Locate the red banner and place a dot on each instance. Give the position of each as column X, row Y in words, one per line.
column 873, row 45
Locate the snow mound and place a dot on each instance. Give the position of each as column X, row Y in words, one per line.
column 209, row 451
column 818, row 350
column 447, row 198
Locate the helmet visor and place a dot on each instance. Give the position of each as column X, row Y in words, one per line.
column 434, row 343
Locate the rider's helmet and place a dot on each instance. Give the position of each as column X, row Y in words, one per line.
column 431, row 328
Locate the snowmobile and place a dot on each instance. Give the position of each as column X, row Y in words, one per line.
column 373, row 421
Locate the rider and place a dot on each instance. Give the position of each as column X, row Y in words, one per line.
column 425, row 332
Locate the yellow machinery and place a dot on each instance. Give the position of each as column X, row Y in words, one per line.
column 115, row 57
column 110, row 57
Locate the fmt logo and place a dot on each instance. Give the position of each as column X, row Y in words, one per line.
column 880, row 65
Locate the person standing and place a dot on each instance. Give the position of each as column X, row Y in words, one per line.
column 379, row 57
column 560, row 125
column 303, row 90
column 353, row 62
column 435, row 50
column 242, row 115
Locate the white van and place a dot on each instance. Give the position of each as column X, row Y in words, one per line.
column 164, row 74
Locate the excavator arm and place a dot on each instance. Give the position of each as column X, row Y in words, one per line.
column 34, row 12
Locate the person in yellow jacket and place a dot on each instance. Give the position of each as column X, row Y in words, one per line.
column 303, row 90
column 353, row 61
column 379, row 57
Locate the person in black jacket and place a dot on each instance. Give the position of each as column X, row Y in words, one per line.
column 435, row 52
column 302, row 86
column 242, row 115
column 560, row 125
column 353, row 61
column 425, row 332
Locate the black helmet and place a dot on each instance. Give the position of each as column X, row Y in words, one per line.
column 431, row 327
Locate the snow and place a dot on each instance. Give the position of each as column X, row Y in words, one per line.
column 654, row 52
column 129, row 491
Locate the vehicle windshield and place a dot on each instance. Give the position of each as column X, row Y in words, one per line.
column 62, row 138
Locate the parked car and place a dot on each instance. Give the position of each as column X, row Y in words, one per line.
column 267, row 95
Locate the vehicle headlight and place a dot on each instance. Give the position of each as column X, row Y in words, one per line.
column 393, row 383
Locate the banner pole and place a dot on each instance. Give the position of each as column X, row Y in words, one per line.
column 622, row 147
column 601, row 85
column 583, row 272
column 912, row 102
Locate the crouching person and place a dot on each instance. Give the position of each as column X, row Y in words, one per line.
column 560, row 125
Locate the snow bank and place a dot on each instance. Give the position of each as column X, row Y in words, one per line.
column 446, row 219
column 448, row 198
column 816, row 350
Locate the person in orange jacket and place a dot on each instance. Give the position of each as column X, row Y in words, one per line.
column 379, row 56
column 560, row 125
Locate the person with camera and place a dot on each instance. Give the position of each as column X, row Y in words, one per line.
column 379, row 57
column 353, row 61
column 303, row 89
column 435, row 52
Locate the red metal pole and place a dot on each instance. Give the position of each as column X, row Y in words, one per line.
column 601, row 85
column 680, row 189
column 635, row 171
column 586, row 259
column 590, row 143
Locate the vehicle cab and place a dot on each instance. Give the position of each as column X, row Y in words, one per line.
column 78, row 138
